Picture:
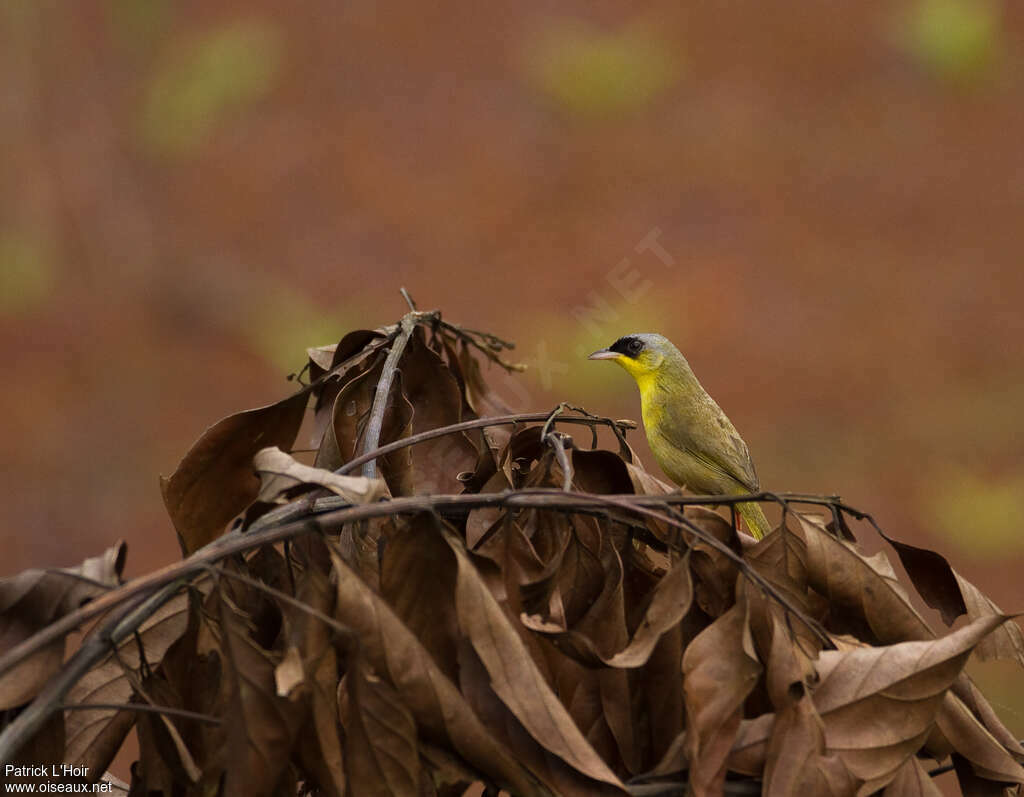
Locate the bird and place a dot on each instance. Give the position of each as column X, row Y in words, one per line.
column 693, row 441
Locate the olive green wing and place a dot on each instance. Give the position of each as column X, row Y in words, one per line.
column 707, row 434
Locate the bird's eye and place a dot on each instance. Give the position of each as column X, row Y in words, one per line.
column 635, row 346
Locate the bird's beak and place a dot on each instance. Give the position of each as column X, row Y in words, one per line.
column 603, row 354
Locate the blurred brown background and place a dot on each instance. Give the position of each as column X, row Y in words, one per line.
column 821, row 204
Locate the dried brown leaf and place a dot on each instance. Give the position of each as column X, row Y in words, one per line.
column 1007, row 641
column 165, row 757
column 943, row 588
column 714, row 573
column 971, row 785
column 484, row 521
column 340, row 441
column 933, row 577
column 319, row 743
column 192, row 682
column 514, row 676
column 436, row 399
column 669, row 602
column 158, row 766
column 962, row 733
column 381, row 751
column 418, row 582
column 479, row 396
column 784, row 642
column 720, row 669
column 911, row 780
column 796, row 760
column 32, row 600
column 94, row 735
column 263, row 725
column 279, row 473
column 878, row 703
column 968, row 693
column 660, row 683
column 861, row 590
column 585, row 706
column 433, row 700
column 289, row 674
column 347, row 358
column 215, row 480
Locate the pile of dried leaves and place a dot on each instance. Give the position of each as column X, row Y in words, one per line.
column 491, row 600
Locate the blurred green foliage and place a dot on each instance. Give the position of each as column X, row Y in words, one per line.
column 208, row 79
column 137, row 23
column 26, row 272
column 280, row 330
column 980, row 514
column 594, row 72
column 956, row 40
column 557, row 354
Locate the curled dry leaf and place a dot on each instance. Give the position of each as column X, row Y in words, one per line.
column 418, row 580
column 1007, row 641
column 279, row 473
column 351, row 403
column 911, row 780
column 515, row 677
column 433, row 700
column 797, row 762
column 863, row 588
column 435, row 398
column 879, row 703
column 215, row 481
column 381, row 749
column 874, row 708
column 319, row 744
column 94, row 735
column 670, row 600
column 943, row 588
column 263, row 724
column 715, row 686
column 331, row 366
column 959, row 731
column 32, row 600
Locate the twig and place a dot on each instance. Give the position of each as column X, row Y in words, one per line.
column 480, row 423
column 557, row 443
column 143, row 707
column 487, row 344
column 387, row 375
column 408, row 299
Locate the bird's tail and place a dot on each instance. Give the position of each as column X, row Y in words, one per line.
column 757, row 523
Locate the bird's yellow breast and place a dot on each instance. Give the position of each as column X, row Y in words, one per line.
column 667, row 443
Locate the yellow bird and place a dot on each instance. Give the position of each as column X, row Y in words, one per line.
column 692, row 439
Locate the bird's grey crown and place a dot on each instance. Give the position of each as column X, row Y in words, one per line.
column 631, row 345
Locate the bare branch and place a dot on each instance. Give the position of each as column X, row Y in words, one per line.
column 479, row 423
column 142, row 707
column 380, row 399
